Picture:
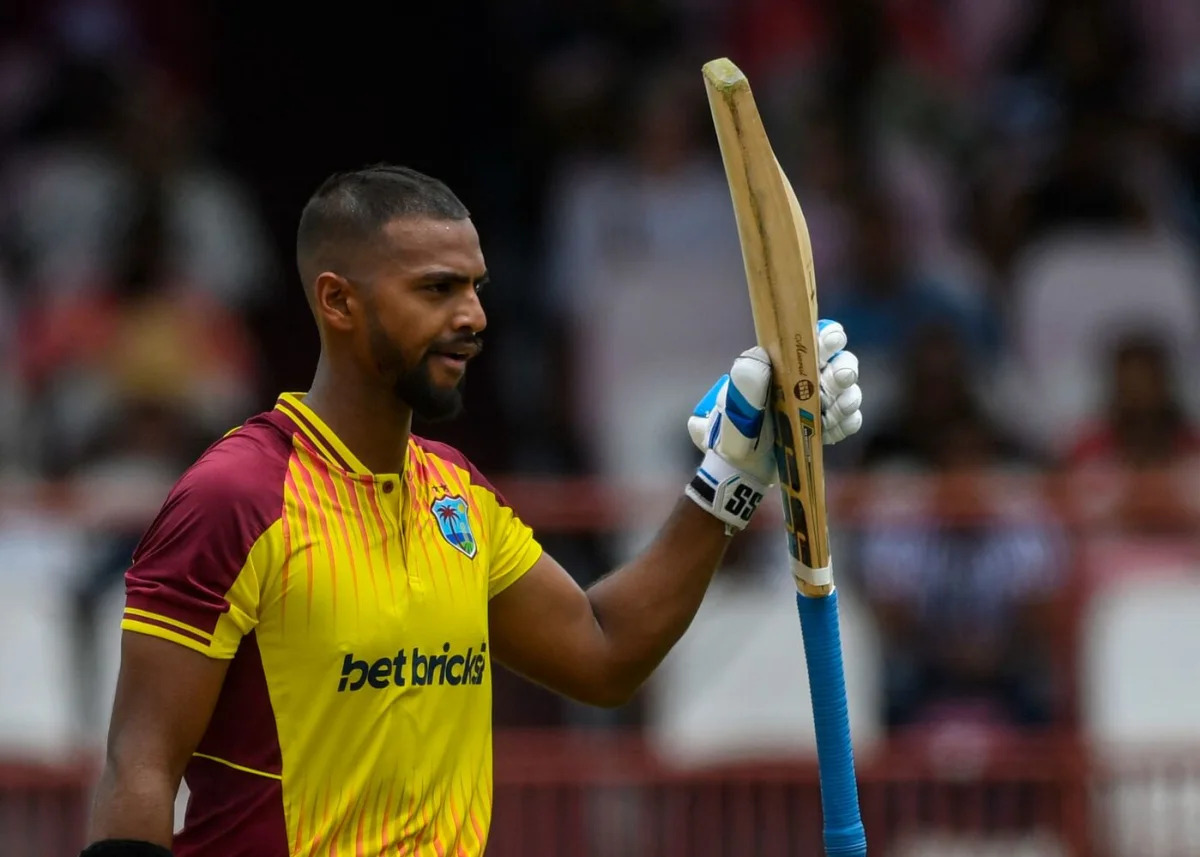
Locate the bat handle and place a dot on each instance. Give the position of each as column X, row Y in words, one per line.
column 844, row 834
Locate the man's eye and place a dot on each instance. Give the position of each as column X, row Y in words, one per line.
column 442, row 287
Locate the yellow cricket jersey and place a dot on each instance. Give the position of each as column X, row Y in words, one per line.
column 355, row 718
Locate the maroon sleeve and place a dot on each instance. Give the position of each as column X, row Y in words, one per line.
column 192, row 553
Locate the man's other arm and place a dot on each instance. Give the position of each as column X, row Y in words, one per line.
column 165, row 696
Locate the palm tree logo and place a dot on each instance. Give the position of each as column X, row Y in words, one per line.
column 451, row 514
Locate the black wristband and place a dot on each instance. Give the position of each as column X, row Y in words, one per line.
column 125, row 848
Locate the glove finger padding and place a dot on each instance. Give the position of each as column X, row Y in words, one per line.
column 848, row 402
column 841, row 431
column 742, row 400
column 831, row 338
column 841, row 372
column 841, row 396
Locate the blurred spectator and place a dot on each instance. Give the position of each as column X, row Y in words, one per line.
column 1084, row 184
column 824, row 173
column 1075, row 115
column 1070, row 296
column 1079, row 55
column 1170, row 30
column 1144, row 423
column 1080, row 106
column 1144, row 438
column 1090, row 178
column 144, row 337
column 72, row 192
column 644, row 267
column 960, row 576
column 885, row 297
column 849, row 46
column 937, row 388
column 958, row 573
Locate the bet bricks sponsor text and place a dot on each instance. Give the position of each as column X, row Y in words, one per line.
column 415, row 668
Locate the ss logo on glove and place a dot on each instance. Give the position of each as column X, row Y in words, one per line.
column 743, row 501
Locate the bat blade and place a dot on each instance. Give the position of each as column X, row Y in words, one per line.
column 777, row 255
column 781, row 281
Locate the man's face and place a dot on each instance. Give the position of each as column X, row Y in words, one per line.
column 423, row 316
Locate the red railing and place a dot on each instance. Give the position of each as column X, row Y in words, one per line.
column 600, row 794
column 1146, row 803
column 44, row 808
column 604, row 795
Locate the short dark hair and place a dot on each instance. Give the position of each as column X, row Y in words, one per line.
column 349, row 209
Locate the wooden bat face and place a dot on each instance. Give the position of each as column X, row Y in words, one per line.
column 777, row 254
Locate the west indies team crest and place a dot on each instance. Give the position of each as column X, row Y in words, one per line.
column 451, row 514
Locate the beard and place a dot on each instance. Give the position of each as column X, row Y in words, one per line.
column 413, row 385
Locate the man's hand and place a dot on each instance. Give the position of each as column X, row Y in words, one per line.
column 728, row 425
column 841, row 397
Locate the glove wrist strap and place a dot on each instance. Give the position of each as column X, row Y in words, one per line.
column 729, row 494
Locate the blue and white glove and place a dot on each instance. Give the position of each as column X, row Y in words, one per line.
column 841, row 397
column 729, row 426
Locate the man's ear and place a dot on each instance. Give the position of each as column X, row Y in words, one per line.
column 336, row 300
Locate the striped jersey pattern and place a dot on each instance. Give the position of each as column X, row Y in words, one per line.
column 355, row 717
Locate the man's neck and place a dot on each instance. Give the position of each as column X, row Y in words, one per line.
column 369, row 420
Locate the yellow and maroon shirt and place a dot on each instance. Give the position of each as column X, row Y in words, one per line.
column 355, row 718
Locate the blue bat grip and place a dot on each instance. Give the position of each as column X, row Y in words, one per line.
column 844, row 834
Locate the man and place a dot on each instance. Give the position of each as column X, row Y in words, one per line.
column 311, row 618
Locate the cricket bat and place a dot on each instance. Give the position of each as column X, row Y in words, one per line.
column 778, row 259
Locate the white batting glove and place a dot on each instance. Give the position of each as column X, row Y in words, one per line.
column 841, row 397
column 729, row 426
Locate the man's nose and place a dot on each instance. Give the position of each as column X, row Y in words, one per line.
column 470, row 314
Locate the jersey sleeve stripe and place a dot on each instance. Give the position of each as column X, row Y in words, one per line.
column 238, row 767
column 155, row 628
column 159, row 619
column 157, row 601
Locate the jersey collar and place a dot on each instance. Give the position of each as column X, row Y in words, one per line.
column 328, row 444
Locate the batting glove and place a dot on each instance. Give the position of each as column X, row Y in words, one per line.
column 728, row 425
column 841, row 397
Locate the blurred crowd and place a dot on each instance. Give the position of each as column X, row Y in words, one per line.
column 1004, row 204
